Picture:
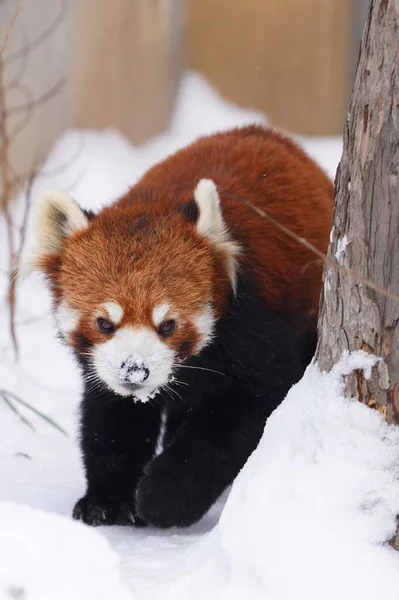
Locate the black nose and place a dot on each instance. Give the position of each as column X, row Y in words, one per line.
column 132, row 372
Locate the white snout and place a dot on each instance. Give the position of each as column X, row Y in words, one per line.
column 135, row 355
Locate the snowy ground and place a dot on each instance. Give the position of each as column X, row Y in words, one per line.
column 306, row 518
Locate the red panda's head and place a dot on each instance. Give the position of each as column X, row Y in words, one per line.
column 137, row 289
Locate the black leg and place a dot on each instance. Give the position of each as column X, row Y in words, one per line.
column 118, row 437
column 175, row 417
column 203, row 458
column 207, row 450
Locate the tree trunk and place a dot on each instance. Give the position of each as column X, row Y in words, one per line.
column 365, row 235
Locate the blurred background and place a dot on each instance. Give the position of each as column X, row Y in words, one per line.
column 119, row 64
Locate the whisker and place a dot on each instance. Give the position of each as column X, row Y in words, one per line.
column 175, row 392
column 199, row 368
column 90, row 377
column 91, row 385
column 167, row 390
column 94, row 386
column 181, row 382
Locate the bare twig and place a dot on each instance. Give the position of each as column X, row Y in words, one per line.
column 36, row 411
column 9, row 403
column 9, row 30
column 16, row 257
column 332, row 262
column 22, row 179
column 5, row 143
column 29, row 47
column 23, row 455
column 26, row 212
column 6, row 183
column 45, row 97
column 21, row 68
column 20, row 126
column 6, row 195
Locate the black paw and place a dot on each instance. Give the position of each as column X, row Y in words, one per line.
column 151, row 503
column 98, row 510
column 163, row 503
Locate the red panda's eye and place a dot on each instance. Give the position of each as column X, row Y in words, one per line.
column 105, row 326
column 167, row 328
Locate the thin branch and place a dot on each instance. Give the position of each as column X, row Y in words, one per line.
column 46, row 34
column 5, row 142
column 332, row 262
column 20, row 126
column 11, row 25
column 24, row 455
column 27, row 209
column 15, row 410
column 20, row 72
column 23, row 178
column 19, row 181
column 15, row 261
column 6, row 194
column 48, row 95
column 36, row 411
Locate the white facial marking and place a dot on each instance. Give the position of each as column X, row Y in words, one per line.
column 159, row 313
column 114, row 311
column 204, row 321
column 134, row 345
column 67, row 318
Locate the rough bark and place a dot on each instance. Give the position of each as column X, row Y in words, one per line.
column 365, row 235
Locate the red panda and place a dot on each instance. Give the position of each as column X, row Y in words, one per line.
column 180, row 302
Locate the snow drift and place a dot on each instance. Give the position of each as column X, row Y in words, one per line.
column 48, row 557
column 311, row 512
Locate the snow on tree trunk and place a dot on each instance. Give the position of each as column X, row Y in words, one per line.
column 365, row 235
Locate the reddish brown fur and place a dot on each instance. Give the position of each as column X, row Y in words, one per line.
column 276, row 175
column 140, row 263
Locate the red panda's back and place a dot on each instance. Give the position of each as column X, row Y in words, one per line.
column 268, row 170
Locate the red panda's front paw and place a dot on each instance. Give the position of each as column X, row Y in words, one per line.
column 164, row 499
column 152, row 502
column 97, row 510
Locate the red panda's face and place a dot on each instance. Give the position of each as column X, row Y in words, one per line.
column 136, row 298
column 134, row 294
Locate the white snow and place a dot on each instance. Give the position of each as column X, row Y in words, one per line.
column 327, row 283
column 46, row 557
column 341, row 247
column 310, row 513
column 133, row 369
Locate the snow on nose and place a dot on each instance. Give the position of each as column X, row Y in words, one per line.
column 133, row 370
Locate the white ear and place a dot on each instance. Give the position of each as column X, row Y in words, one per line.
column 58, row 216
column 210, row 220
column 210, row 223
